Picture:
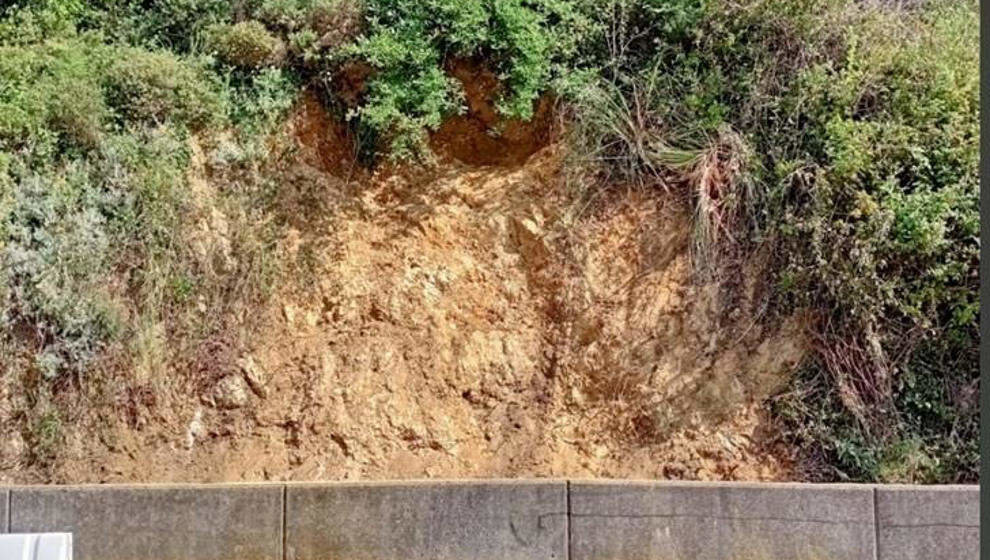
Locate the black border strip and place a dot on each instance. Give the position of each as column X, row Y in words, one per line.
column 984, row 280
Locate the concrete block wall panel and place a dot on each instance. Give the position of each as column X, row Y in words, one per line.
column 928, row 522
column 686, row 521
column 427, row 521
column 4, row 510
column 156, row 522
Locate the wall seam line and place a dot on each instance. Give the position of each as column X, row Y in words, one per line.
column 876, row 527
column 10, row 514
column 282, row 528
column 567, row 553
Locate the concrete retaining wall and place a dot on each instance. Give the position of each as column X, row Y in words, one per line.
column 684, row 520
column 929, row 522
column 503, row 520
column 156, row 522
column 426, row 521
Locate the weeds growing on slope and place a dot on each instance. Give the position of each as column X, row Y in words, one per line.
column 98, row 220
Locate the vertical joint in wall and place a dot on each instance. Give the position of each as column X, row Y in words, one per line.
column 876, row 527
column 285, row 493
column 567, row 520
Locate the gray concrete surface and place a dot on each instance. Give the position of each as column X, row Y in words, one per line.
column 503, row 520
column 713, row 521
column 236, row 522
column 427, row 521
column 936, row 523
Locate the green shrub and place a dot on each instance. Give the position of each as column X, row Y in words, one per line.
column 246, row 44
column 154, row 87
column 173, row 24
column 313, row 30
column 407, row 43
column 321, row 16
column 52, row 97
column 260, row 102
column 176, row 25
column 29, row 21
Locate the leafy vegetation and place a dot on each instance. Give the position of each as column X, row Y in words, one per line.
column 886, row 242
column 837, row 138
column 863, row 188
column 97, row 268
column 407, row 44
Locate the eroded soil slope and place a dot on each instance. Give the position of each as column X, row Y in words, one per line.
column 467, row 321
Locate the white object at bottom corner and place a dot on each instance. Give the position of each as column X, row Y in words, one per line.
column 36, row 546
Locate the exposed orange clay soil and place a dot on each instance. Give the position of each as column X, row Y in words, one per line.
column 480, row 136
column 466, row 322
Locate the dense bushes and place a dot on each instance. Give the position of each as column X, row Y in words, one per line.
column 155, row 87
column 96, row 213
column 246, row 44
column 89, row 185
column 878, row 229
column 864, row 188
column 934, row 422
column 51, row 98
column 408, row 42
column 886, row 238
